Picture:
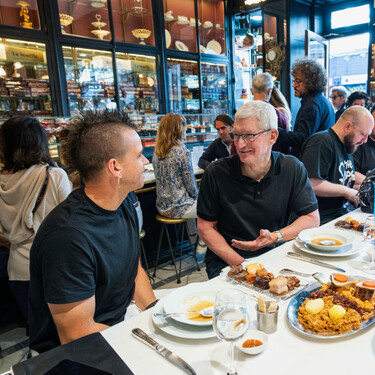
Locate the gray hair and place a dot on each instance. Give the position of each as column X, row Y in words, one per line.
column 341, row 91
column 261, row 111
column 262, row 83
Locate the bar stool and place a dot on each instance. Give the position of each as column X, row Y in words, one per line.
column 182, row 229
column 143, row 254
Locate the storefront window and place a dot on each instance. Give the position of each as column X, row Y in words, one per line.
column 24, row 80
column 88, row 18
column 89, row 76
column 133, row 21
column 212, row 29
column 214, row 88
column 183, row 86
column 138, row 83
column 180, row 25
column 20, row 13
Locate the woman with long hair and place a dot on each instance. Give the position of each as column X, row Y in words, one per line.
column 176, row 187
column 278, row 100
column 29, row 189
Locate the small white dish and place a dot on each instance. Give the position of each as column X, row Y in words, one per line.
column 181, row 46
column 214, row 47
column 254, row 334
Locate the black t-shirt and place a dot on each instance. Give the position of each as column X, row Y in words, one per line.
column 82, row 250
column 326, row 158
column 242, row 206
column 364, row 157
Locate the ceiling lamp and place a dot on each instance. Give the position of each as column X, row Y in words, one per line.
column 252, row 2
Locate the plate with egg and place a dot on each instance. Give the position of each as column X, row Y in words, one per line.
column 191, row 297
column 340, row 308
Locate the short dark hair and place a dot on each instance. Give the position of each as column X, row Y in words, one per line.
column 93, row 139
column 23, row 143
column 315, row 76
column 372, row 110
column 226, row 119
column 355, row 95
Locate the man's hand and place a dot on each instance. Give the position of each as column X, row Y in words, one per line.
column 266, row 238
column 352, row 196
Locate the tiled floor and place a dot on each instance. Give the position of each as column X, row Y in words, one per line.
column 14, row 342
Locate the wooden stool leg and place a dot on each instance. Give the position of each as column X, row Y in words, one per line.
column 193, row 247
column 172, row 256
column 159, row 246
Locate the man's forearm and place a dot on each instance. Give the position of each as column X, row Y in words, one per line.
column 143, row 293
column 323, row 188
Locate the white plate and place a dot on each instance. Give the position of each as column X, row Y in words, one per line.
column 357, row 245
column 168, row 38
column 214, row 46
column 308, row 235
column 182, row 298
column 169, row 17
column 170, row 326
column 181, row 46
column 202, row 49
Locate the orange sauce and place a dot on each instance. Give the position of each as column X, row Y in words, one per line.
column 317, row 241
column 251, row 343
column 198, row 307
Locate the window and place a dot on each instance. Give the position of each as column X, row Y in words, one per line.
column 350, row 16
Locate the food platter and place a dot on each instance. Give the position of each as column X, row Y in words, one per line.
column 214, row 46
column 174, row 328
column 297, row 301
column 357, row 246
column 183, row 299
column 181, row 46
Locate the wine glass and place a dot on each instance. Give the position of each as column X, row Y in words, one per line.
column 369, row 236
column 230, row 319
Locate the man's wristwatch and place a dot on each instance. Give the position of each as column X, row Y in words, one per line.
column 280, row 238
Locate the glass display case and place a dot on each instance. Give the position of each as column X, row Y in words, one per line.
column 183, row 86
column 138, row 83
column 88, row 18
column 214, row 88
column 20, row 13
column 132, row 20
column 89, row 76
column 212, row 29
column 180, row 25
column 24, row 79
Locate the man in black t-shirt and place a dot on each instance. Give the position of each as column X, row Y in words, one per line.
column 84, row 262
column 246, row 202
column 328, row 159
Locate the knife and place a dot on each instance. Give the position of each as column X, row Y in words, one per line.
column 314, row 261
column 163, row 351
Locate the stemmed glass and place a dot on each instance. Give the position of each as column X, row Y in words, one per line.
column 230, row 319
column 369, row 236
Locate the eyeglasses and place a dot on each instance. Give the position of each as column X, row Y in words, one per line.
column 246, row 137
column 297, row 81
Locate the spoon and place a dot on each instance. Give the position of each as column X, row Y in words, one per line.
column 327, row 242
column 206, row 312
column 318, row 276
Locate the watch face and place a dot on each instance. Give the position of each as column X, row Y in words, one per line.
column 271, row 55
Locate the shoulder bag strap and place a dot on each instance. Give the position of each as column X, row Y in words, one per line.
column 43, row 191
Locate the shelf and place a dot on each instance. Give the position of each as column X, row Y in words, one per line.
column 25, row 97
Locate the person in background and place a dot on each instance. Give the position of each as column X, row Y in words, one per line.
column 339, row 95
column 364, row 157
column 84, row 263
column 277, row 99
column 358, row 98
column 316, row 112
column 262, row 85
column 256, row 199
column 328, row 159
column 29, row 189
column 176, row 187
column 222, row 146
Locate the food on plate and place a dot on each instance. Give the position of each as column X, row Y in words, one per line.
column 292, row 282
column 338, row 307
column 264, row 274
column 250, row 278
column 350, row 223
column 336, row 312
column 278, row 285
column 325, row 241
column 253, row 267
column 314, row 306
column 339, row 280
column 234, row 270
column 261, row 283
column 241, row 276
column 198, row 307
column 251, row 343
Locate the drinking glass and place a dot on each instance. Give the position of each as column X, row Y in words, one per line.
column 369, row 236
column 230, row 319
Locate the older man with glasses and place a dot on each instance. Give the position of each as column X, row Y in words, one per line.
column 339, row 95
column 316, row 112
column 254, row 200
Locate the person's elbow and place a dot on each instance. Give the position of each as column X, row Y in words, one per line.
column 312, row 219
